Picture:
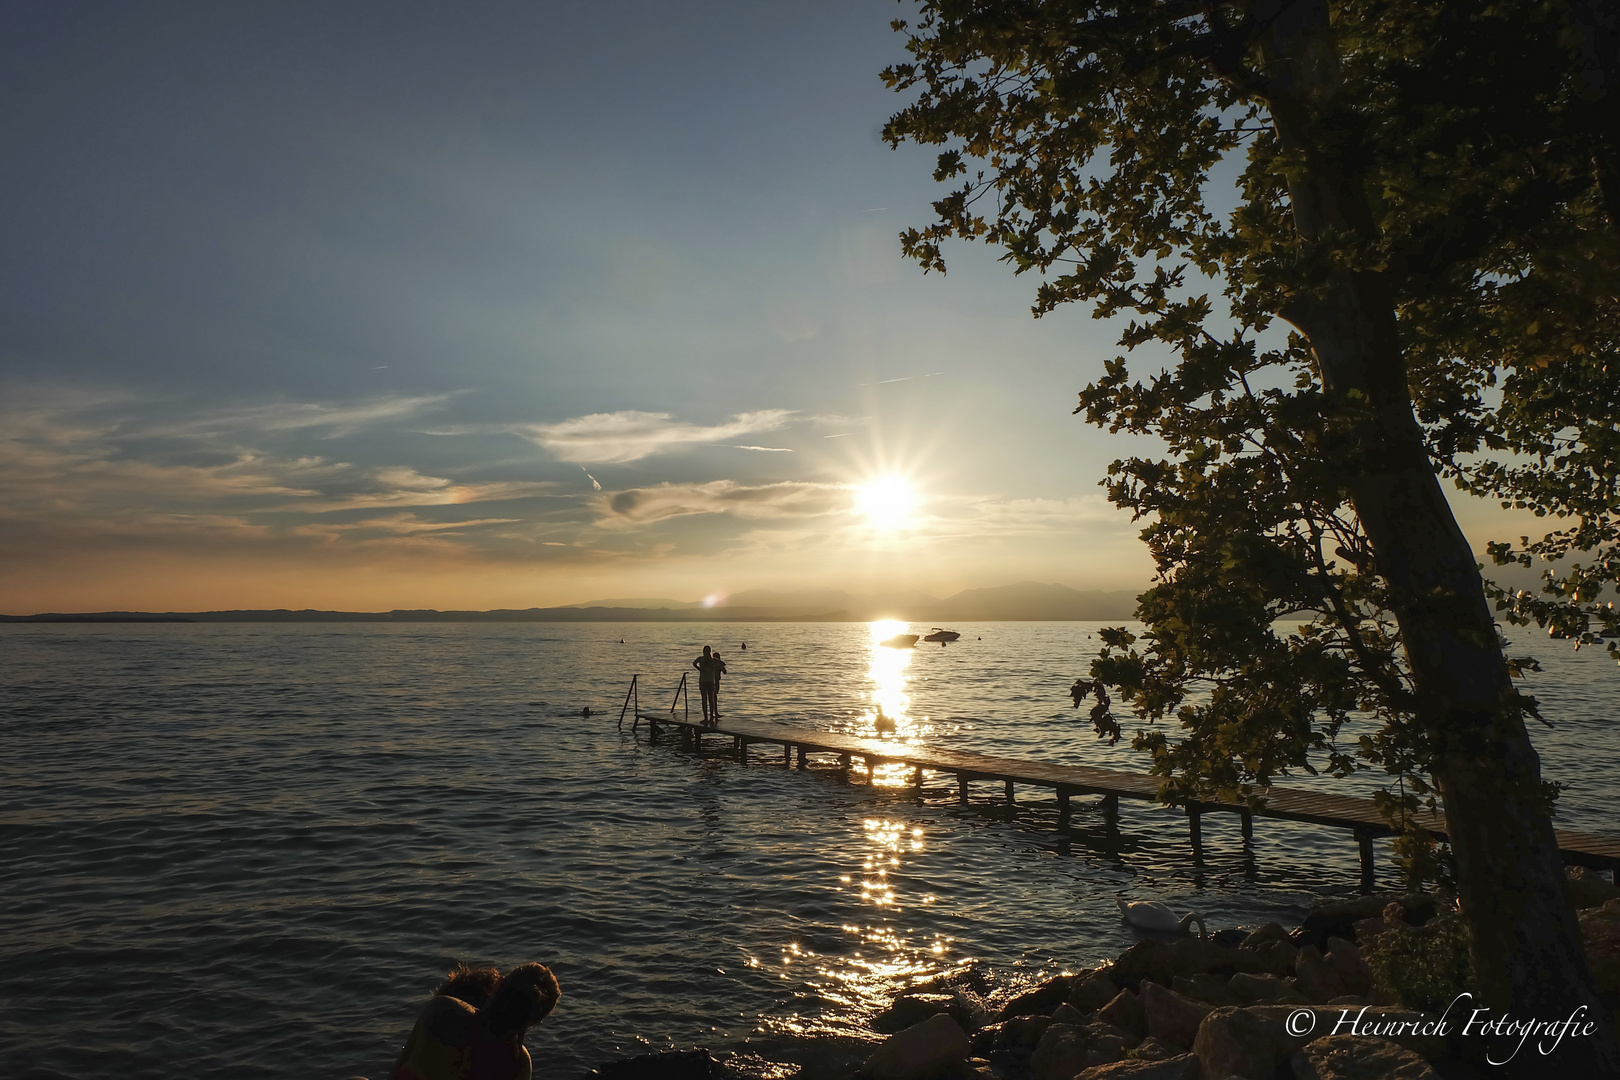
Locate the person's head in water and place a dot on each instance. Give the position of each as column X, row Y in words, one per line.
column 526, row 996
column 472, row 985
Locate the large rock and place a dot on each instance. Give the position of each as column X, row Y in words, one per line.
column 913, row 1008
column 1587, row 890
column 918, row 1051
column 1016, row 1038
column 1199, row 956
column 1210, row 989
column 1350, row 970
column 1147, row 959
column 1092, row 991
column 1314, row 977
column 1600, row 933
column 1125, row 1013
column 1039, row 1001
column 1107, row 1044
column 1172, row 1018
column 1061, row 1053
column 1262, row 989
column 1352, row 1057
column 1338, row 918
column 1151, row 1049
column 668, row 1065
column 1241, row 1042
column 1272, row 931
column 1183, row 1067
column 1253, row 1041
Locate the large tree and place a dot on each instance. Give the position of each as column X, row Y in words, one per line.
column 1409, row 211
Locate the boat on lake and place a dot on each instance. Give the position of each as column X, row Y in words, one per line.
column 944, row 637
column 899, row 641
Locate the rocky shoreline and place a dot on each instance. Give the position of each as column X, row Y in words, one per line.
column 1258, row 1003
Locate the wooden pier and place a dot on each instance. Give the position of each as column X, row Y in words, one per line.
column 1358, row 815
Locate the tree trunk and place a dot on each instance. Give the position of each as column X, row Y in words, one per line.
column 1527, row 943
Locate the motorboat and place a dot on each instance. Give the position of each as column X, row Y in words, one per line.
column 944, row 637
column 899, row 641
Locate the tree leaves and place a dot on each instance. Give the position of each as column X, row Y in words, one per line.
column 1475, row 141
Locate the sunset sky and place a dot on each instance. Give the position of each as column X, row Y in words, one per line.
column 373, row 305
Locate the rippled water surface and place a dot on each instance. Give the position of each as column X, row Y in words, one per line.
column 249, row 850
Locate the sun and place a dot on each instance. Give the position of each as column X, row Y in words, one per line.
column 887, row 501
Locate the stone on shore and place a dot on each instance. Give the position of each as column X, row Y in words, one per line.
column 1241, row 1042
column 1061, row 1053
column 1091, row 992
column 1147, row 959
column 667, row 1065
column 918, row 1051
column 1600, row 932
column 1125, row 1012
column 1210, row 989
column 1039, row 1001
column 1587, row 890
column 1254, row 1040
column 1151, row 1049
column 1338, row 918
column 1272, row 931
column 1352, row 1057
column 1262, row 990
column 1181, row 1067
column 913, row 1007
column 1172, row 1018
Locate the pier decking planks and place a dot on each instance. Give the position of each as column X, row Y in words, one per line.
column 1290, row 804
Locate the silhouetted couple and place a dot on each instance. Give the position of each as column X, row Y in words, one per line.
column 473, row 1027
column 709, row 668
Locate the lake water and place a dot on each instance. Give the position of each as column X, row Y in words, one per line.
column 250, row 850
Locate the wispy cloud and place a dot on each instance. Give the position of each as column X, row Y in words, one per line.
column 333, row 419
column 789, row 499
column 630, row 435
column 765, row 449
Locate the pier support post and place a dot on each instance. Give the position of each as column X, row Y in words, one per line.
column 787, row 753
column 742, row 750
column 1247, row 818
column 843, row 766
column 1364, row 838
column 961, row 788
column 871, row 768
column 1195, row 828
column 803, row 764
column 916, row 777
column 1063, row 808
column 1010, row 791
column 1110, row 810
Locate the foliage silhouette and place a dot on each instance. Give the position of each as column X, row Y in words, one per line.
column 1419, row 280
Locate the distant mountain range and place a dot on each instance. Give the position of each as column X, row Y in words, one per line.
column 1025, row 601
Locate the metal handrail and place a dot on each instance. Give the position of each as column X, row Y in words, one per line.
column 627, row 696
column 682, row 697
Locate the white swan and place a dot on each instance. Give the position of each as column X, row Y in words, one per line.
column 1152, row 915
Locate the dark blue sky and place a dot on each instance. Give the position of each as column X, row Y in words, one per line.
column 349, row 304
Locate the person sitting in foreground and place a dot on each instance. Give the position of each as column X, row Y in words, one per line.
column 472, row 985
column 452, row 1040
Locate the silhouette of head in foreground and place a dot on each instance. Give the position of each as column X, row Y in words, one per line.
column 455, row 1040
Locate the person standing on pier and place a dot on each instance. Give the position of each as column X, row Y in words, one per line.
column 714, row 698
column 708, row 669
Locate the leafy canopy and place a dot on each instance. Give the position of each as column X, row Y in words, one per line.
column 1127, row 153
